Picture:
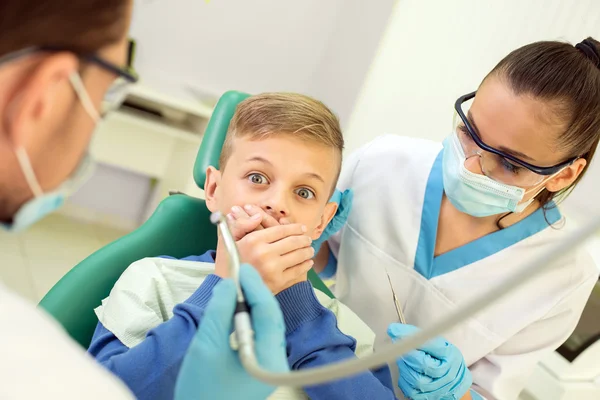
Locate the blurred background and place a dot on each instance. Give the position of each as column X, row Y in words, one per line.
column 386, row 66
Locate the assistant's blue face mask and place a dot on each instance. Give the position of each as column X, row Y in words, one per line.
column 475, row 194
column 42, row 203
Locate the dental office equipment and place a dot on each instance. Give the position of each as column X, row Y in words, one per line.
column 388, row 353
column 396, row 302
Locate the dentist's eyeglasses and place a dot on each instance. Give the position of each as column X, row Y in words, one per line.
column 116, row 94
column 496, row 164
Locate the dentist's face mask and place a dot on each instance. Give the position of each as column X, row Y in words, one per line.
column 475, row 194
column 44, row 203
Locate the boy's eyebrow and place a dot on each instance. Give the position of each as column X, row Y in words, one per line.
column 265, row 161
column 313, row 175
column 259, row 159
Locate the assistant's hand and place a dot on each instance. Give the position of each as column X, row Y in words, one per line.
column 344, row 201
column 211, row 369
column 435, row 371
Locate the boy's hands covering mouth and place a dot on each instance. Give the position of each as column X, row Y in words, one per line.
column 279, row 250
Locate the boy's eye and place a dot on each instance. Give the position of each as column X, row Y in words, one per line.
column 258, row 179
column 305, row 193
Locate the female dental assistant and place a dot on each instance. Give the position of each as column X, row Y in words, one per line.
column 450, row 221
column 57, row 61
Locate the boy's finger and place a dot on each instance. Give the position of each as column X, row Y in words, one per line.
column 247, row 225
column 267, row 220
column 276, row 233
column 238, row 212
column 290, row 244
column 241, row 227
column 296, row 257
column 297, row 270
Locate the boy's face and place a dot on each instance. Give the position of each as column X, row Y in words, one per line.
column 285, row 176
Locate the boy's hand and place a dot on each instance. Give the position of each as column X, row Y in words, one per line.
column 249, row 219
column 282, row 254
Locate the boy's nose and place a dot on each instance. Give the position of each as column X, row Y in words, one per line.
column 276, row 212
column 276, row 205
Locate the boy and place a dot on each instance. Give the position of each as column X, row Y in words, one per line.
column 279, row 165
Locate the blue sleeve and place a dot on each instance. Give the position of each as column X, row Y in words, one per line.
column 150, row 369
column 313, row 339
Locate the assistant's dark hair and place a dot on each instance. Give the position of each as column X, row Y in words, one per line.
column 84, row 26
column 567, row 78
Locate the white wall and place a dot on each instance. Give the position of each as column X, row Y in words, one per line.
column 223, row 44
column 435, row 51
column 321, row 48
column 352, row 45
column 112, row 196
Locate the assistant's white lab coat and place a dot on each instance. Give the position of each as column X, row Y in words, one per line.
column 38, row 360
column 397, row 183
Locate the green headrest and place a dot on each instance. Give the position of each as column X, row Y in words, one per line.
column 214, row 136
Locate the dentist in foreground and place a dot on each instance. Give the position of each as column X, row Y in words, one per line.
column 58, row 60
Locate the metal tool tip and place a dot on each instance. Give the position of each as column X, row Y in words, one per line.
column 216, row 217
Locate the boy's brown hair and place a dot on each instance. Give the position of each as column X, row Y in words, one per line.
column 294, row 114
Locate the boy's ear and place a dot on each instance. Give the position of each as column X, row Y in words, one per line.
column 328, row 214
column 211, row 188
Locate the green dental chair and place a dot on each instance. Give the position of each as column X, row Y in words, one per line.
column 179, row 227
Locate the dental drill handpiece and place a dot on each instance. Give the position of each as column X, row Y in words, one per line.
column 243, row 326
column 232, row 253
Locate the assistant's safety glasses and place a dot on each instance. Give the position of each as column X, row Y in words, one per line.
column 458, row 105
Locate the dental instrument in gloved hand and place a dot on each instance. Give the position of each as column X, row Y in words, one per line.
column 397, row 304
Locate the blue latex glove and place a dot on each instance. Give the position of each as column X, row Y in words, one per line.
column 344, row 201
column 436, row 371
column 211, row 369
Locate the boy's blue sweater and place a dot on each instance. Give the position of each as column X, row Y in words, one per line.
column 150, row 369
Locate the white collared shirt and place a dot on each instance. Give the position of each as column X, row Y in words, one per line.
column 38, row 360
